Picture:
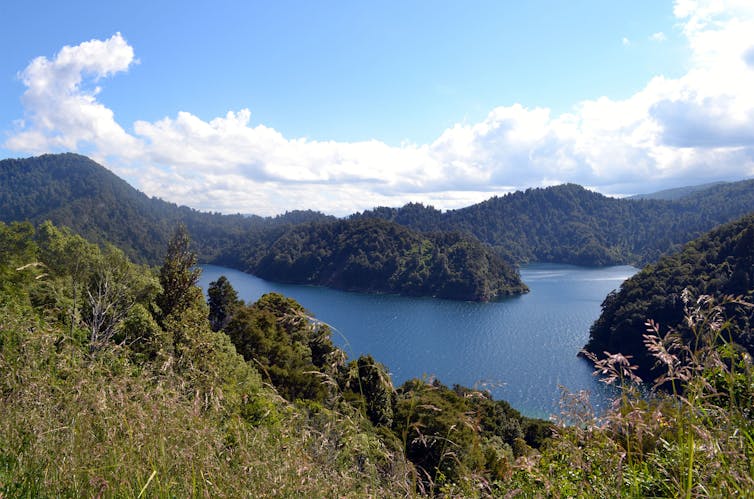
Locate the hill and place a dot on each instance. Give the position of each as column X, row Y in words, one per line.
column 570, row 224
column 74, row 191
column 376, row 255
column 719, row 263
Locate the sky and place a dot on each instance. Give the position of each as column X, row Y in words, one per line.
column 340, row 106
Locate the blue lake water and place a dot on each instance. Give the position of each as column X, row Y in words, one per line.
column 521, row 349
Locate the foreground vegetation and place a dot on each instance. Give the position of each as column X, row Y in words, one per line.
column 120, row 380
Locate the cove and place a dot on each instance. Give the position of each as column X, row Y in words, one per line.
column 521, row 349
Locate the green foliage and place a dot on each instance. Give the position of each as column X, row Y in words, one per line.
column 178, row 275
column 222, row 301
column 368, row 386
column 141, row 333
column 718, row 263
column 375, row 255
column 460, row 439
column 277, row 336
column 18, row 262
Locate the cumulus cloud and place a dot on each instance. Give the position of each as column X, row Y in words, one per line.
column 63, row 113
column 658, row 37
column 699, row 126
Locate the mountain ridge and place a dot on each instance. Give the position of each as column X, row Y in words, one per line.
column 570, row 224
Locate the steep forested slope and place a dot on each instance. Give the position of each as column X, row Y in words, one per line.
column 718, row 263
column 569, row 224
column 74, row 191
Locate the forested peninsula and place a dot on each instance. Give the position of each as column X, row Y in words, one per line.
column 716, row 264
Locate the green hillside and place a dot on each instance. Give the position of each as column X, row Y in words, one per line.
column 570, row 224
column 719, row 263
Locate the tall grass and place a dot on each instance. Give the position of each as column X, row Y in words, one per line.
column 688, row 435
column 81, row 424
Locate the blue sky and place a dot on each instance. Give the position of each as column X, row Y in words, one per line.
column 341, row 106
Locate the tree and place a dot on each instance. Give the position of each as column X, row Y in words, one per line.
column 372, row 382
column 178, row 275
column 115, row 286
column 223, row 299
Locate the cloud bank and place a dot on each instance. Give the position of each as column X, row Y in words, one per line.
column 690, row 129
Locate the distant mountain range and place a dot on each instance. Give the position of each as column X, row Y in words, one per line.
column 569, row 224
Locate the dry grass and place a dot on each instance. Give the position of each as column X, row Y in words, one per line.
column 79, row 425
column 690, row 435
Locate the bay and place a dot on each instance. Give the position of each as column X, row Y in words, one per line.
column 522, row 349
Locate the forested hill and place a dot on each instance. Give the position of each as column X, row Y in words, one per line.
column 74, row 191
column 570, row 224
column 719, row 263
column 376, row 255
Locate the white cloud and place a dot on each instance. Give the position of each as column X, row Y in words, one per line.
column 625, row 41
column 694, row 128
column 63, row 114
column 658, row 37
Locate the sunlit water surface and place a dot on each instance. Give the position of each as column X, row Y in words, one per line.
column 522, row 349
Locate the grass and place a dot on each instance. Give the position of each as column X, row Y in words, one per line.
column 690, row 436
column 74, row 424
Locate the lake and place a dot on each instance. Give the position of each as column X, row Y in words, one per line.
column 521, row 349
